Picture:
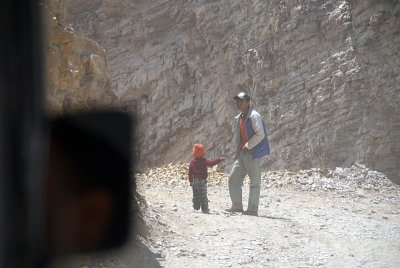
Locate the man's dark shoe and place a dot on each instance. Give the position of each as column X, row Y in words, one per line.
column 250, row 213
column 232, row 210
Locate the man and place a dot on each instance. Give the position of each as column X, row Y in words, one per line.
column 252, row 145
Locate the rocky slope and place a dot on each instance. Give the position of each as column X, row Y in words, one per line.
column 77, row 72
column 324, row 74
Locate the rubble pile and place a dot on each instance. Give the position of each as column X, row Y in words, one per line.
column 315, row 179
column 340, row 179
column 177, row 175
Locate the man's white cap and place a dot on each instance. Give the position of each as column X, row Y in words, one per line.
column 242, row 96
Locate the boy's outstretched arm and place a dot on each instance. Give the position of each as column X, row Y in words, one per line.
column 213, row 162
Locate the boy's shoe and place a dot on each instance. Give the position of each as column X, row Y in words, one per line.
column 232, row 210
column 206, row 211
column 250, row 213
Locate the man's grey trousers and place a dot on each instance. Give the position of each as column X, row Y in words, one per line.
column 245, row 164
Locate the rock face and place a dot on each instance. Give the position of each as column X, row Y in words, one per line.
column 77, row 72
column 324, row 75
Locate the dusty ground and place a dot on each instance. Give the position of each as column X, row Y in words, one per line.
column 305, row 220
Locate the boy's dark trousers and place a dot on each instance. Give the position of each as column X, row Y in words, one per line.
column 200, row 199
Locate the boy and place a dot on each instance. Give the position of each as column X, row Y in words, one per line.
column 198, row 177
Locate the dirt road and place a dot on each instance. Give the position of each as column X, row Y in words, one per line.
column 307, row 219
column 294, row 229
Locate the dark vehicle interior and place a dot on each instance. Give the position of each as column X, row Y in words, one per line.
column 65, row 182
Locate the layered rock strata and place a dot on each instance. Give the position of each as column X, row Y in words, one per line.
column 77, row 73
column 324, row 74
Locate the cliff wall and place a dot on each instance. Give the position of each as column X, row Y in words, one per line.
column 325, row 75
